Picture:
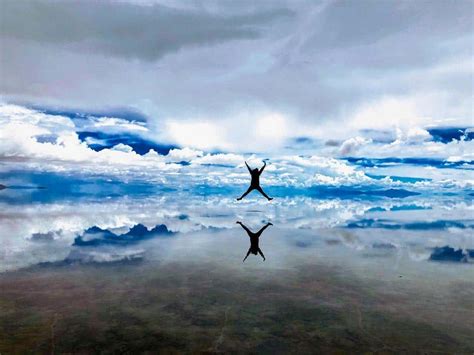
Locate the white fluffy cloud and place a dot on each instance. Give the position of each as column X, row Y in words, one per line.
column 35, row 140
column 247, row 131
column 112, row 125
column 351, row 145
column 20, row 145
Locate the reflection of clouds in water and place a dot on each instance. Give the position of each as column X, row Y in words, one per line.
column 422, row 226
column 96, row 236
column 102, row 256
column 31, row 235
column 447, row 253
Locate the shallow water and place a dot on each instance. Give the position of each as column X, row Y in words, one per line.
column 165, row 272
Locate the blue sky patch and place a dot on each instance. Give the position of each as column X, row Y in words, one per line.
column 140, row 145
column 448, row 134
column 383, row 162
column 123, row 113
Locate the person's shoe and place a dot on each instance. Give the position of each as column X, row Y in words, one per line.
column 239, row 199
column 270, row 198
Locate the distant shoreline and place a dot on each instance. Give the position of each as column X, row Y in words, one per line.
column 2, row 187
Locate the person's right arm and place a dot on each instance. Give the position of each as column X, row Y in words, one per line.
column 248, row 167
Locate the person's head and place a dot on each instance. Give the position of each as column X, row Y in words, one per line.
column 255, row 171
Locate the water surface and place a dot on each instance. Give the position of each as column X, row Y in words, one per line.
column 163, row 271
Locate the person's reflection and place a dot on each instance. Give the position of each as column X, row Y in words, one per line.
column 254, row 239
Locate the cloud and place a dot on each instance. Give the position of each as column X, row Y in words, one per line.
column 46, row 237
column 82, row 256
column 351, row 145
column 112, row 124
column 185, row 154
column 259, row 130
column 418, row 145
column 200, row 134
column 36, row 141
column 20, row 128
column 125, row 29
column 122, row 148
column 227, row 71
column 416, row 135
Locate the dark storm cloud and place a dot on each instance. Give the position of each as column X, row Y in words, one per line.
column 127, row 30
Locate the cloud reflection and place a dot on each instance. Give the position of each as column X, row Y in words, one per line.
column 120, row 225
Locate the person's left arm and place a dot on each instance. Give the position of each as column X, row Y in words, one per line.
column 244, row 227
column 263, row 167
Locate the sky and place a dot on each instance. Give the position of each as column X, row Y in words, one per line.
column 103, row 85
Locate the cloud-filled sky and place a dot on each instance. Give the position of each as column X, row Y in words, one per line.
column 248, row 76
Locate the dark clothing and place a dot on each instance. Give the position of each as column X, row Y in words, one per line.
column 255, row 182
column 254, row 243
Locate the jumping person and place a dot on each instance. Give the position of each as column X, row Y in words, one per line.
column 255, row 182
column 254, row 239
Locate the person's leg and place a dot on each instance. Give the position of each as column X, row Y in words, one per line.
column 264, row 194
column 245, row 193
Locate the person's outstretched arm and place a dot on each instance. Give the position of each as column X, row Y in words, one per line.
column 248, row 167
column 260, row 252
column 246, row 256
column 244, row 227
column 263, row 228
column 263, row 167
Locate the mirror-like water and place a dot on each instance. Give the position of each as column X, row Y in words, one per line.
column 166, row 272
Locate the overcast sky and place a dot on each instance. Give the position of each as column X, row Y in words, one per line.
column 245, row 75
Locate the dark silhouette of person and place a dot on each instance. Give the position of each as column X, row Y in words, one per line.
column 255, row 182
column 254, row 239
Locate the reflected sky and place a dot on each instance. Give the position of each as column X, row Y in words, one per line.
column 115, row 228
column 338, row 263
